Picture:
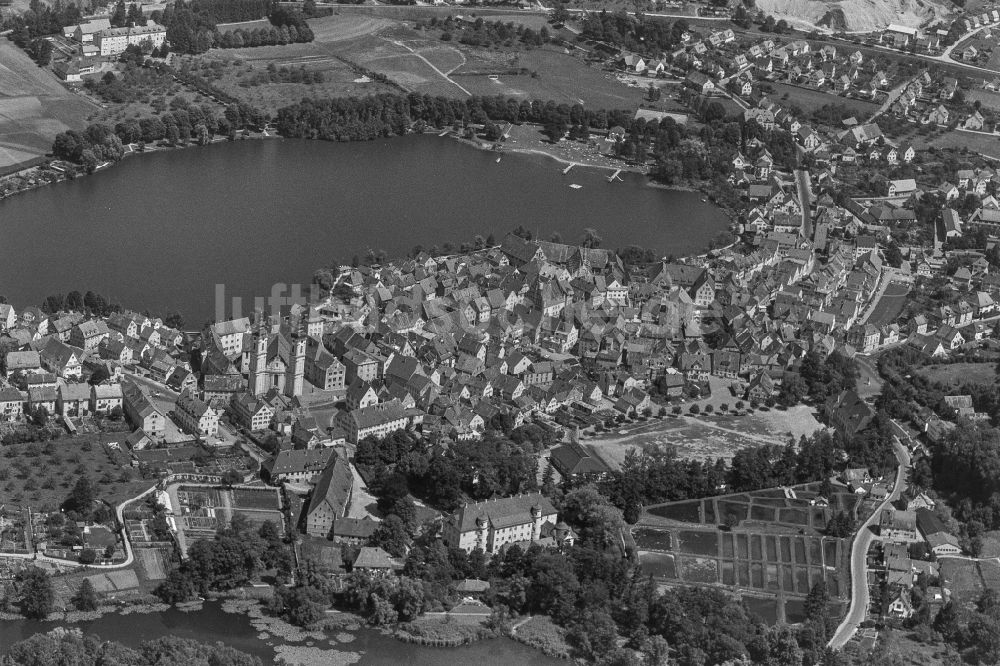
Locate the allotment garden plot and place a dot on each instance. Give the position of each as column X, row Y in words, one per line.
column 773, row 543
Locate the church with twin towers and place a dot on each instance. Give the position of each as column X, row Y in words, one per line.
column 277, row 358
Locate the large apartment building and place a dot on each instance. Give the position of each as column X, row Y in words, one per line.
column 113, row 41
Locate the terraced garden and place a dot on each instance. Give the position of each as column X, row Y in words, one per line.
column 773, row 544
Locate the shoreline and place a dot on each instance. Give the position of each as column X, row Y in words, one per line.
column 59, row 177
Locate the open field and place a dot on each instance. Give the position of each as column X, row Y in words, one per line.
column 956, row 374
column 967, row 579
column 34, row 107
column 707, row 437
column 890, row 305
column 153, row 564
column 349, row 42
column 560, row 77
column 240, row 66
column 989, row 99
column 987, row 144
column 810, row 100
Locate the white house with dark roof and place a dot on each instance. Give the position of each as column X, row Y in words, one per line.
column 87, row 335
column 298, row 465
column 11, row 403
column 489, row 525
column 196, row 417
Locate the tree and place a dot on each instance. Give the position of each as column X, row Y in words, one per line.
column 591, row 238
column 88, row 556
column 120, row 15
column 559, row 15
column 85, row 598
column 81, row 498
column 391, row 535
column 37, row 596
column 816, row 602
column 40, row 416
column 231, row 477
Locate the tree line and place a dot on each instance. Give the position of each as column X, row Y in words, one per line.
column 641, row 34
column 73, row 647
column 680, row 153
column 191, row 26
column 487, row 33
column 101, row 143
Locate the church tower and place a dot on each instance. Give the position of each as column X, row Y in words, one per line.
column 296, row 369
column 258, row 362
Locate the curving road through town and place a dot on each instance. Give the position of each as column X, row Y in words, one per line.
column 859, row 555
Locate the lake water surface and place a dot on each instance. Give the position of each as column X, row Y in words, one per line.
column 159, row 231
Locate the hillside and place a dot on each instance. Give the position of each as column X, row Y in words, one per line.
column 855, row 15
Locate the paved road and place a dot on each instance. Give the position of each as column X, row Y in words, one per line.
column 129, row 554
column 859, row 556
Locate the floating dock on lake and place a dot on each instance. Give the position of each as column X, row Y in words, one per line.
column 615, row 175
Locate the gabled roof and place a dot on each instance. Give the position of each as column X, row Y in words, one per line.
column 333, row 488
column 503, row 512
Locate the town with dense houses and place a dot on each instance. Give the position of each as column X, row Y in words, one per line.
column 782, row 448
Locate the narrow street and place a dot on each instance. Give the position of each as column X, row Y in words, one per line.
column 859, row 556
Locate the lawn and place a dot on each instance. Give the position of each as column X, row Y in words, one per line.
column 42, row 474
column 810, row 100
column 889, row 307
column 699, row 543
column 652, row 539
column 956, row 374
column 658, row 565
column 687, row 512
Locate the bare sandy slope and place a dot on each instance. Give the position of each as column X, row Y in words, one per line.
column 855, row 15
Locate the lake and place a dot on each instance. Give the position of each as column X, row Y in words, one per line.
column 159, row 231
column 212, row 624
